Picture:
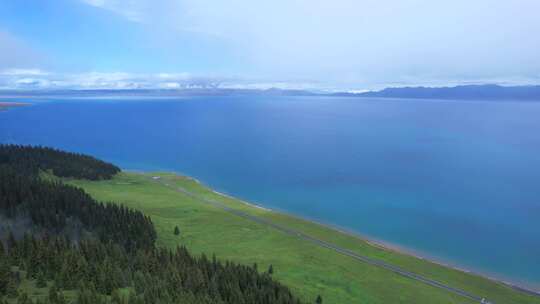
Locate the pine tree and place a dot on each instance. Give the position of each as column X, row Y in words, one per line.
column 41, row 301
column 318, row 300
column 116, row 298
column 139, row 282
column 11, row 242
column 41, row 281
column 120, row 251
column 5, row 276
column 23, row 299
column 134, row 299
column 88, row 295
column 11, row 289
column 56, row 296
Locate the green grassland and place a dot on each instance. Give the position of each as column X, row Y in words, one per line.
column 307, row 268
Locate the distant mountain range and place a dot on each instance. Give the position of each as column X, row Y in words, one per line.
column 463, row 92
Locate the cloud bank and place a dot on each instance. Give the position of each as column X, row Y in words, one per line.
column 36, row 79
column 307, row 44
column 360, row 41
column 39, row 79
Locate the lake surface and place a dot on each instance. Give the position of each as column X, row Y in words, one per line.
column 453, row 180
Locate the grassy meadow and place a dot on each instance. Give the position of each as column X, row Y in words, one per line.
column 307, row 268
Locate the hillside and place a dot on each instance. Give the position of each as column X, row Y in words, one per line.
column 152, row 245
column 59, row 245
column 307, row 268
column 465, row 92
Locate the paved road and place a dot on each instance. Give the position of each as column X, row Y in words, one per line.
column 338, row 249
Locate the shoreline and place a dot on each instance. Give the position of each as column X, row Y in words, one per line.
column 13, row 103
column 4, row 105
column 254, row 205
column 381, row 244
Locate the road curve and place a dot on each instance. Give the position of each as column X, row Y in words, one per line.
column 324, row 244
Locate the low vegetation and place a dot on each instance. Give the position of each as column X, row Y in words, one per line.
column 307, row 269
column 61, row 245
column 113, row 258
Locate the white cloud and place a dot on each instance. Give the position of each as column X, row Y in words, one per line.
column 32, row 83
column 170, row 85
column 130, row 9
column 39, row 79
column 97, row 3
column 359, row 41
column 23, row 72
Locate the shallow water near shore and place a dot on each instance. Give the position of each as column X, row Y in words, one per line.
column 455, row 180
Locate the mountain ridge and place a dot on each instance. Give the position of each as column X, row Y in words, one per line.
column 460, row 92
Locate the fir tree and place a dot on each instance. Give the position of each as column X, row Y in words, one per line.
column 23, row 299
column 41, row 281
column 11, row 289
column 116, row 298
column 56, row 296
column 176, row 230
column 11, row 242
column 121, row 250
column 5, row 276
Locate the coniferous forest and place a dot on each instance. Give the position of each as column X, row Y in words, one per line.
column 58, row 236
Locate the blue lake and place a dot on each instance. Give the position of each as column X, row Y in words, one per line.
column 458, row 181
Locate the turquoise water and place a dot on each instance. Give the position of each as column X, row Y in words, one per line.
column 453, row 180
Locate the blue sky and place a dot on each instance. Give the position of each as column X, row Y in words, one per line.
column 339, row 44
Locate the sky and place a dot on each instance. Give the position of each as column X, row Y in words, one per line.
column 302, row 44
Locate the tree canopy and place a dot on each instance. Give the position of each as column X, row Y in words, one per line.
column 69, row 241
